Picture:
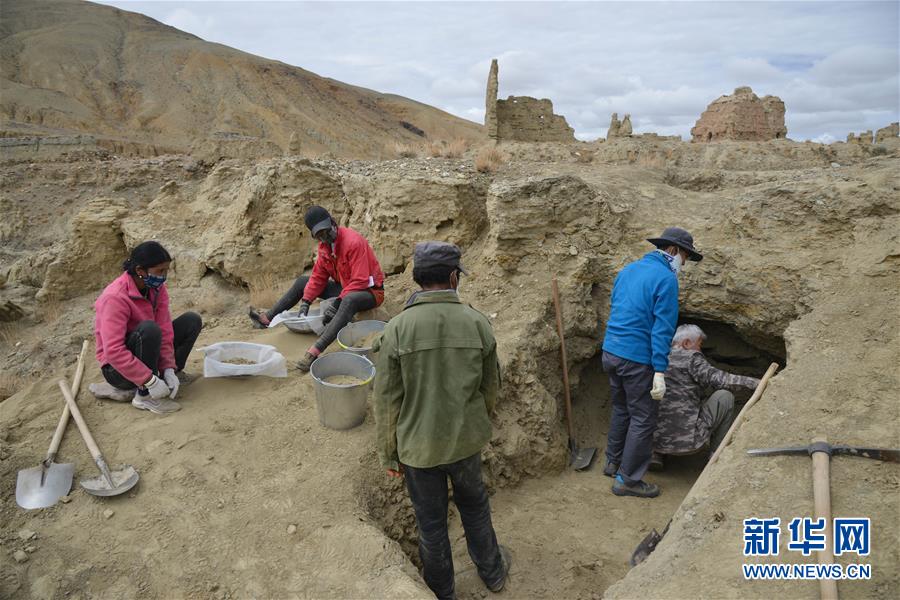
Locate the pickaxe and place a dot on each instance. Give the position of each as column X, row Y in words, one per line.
column 821, row 452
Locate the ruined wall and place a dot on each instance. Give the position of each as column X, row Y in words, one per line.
column 741, row 116
column 525, row 119
column 490, row 102
column 884, row 134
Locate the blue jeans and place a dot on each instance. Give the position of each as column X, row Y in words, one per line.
column 629, row 443
column 428, row 492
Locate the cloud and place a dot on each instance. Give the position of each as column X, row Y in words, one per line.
column 835, row 64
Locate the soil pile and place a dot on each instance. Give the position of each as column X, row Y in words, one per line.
column 801, row 263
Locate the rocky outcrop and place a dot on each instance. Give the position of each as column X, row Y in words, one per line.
column 10, row 311
column 741, row 116
column 490, row 102
column 92, row 255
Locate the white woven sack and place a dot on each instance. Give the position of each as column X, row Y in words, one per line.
column 267, row 360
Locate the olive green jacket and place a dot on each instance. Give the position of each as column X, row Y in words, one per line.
column 436, row 381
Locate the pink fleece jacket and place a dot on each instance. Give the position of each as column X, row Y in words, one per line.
column 119, row 310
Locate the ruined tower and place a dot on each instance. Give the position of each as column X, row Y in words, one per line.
column 490, row 102
column 741, row 116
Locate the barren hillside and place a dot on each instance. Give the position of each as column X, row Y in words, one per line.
column 73, row 66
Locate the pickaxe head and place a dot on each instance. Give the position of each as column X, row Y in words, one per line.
column 885, row 454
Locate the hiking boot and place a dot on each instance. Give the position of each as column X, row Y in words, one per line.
column 610, row 469
column 105, row 391
column 259, row 318
column 506, row 560
column 657, row 462
column 641, row 489
column 160, row 407
column 306, row 362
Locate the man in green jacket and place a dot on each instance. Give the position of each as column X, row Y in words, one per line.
column 436, row 382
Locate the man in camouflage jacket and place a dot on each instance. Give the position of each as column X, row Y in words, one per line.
column 688, row 419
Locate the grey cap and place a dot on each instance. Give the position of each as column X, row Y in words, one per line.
column 675, row 236
column 430, row 254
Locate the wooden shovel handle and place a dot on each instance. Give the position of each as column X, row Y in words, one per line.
column 757, row 394
column 821, row 471
column 64, row 418
column 82, row 426
column 565, row 361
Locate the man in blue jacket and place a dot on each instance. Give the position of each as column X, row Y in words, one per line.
column 642, row 320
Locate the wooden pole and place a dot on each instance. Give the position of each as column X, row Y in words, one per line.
column 565, row 361
column 821, row 467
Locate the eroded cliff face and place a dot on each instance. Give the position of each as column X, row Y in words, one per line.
column 797, row 247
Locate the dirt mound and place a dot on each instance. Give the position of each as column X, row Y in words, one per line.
column 146, row 82
column 801, row 263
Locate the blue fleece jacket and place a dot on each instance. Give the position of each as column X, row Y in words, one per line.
column 643, row 312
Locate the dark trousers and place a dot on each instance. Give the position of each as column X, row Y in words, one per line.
column 351, row 304
column 145, row 343
column 428, row 492
column 630, row 440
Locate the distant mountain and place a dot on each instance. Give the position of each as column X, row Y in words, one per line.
column 78, row 66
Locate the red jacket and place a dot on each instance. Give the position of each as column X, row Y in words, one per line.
column 119, row 310
column 353, row 265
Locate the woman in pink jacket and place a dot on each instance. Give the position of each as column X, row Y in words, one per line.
column 139, row 346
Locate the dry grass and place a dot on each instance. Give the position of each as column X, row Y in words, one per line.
column 265, row 290
column 10, row 383
column 489, row 159
column 51, row 310
column 405, row 150
column 441, row 149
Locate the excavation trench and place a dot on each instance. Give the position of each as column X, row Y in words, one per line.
column 570, row 536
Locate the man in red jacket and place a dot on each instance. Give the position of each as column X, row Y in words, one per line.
column 346, row 269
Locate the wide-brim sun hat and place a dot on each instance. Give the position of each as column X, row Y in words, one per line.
column 676, row 236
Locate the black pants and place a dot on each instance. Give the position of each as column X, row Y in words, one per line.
column 428, row 492
column 145, row 343
column 630, row 440
column 351, row 304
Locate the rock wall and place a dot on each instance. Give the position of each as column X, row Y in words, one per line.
column 525, row 119
column 490, row 102
column 887, row 133
column 741, row 116
column 863, row 139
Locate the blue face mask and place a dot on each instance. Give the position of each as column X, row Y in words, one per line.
column 154, row 281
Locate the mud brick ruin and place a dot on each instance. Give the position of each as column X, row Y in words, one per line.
column 619, row 128
column 522, row 118
column 866, row 138
column 741, row 116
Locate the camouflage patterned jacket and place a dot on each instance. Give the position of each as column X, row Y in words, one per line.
column 681, row 425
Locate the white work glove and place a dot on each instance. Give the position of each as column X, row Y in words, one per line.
column 659, row 386
column 172, row 382
column 157, row 388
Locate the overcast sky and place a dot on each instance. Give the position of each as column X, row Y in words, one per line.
column 835, row 64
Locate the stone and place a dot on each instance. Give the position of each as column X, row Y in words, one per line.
column 490, row 102
column 20, row 557
column 108, row 513
column 30, row 549
column 742, row 116
column 291, row 529
column 26, row 534
column 65, row 499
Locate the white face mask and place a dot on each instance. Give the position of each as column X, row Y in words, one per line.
column 675, row 262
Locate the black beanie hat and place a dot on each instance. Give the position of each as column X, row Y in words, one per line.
column 146, row 255
column 317, row 219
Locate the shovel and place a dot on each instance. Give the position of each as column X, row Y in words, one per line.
column 44, row 485
column 579, row 458
column 110, row 482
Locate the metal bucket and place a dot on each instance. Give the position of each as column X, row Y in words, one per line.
column 341, row 406
column 349, row 338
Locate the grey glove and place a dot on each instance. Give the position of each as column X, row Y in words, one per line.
column 157, row 388
column 304, row 309
column 331, row 310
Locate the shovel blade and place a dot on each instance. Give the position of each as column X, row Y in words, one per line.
column 124, row 478
column 581, row 459
column 41, row 488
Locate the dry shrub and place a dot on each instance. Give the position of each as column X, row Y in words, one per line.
column 434, row 149
column 405, row 150
column 456, row 148
column 265, row 290
column 51, row 310
column 488, row 159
